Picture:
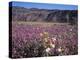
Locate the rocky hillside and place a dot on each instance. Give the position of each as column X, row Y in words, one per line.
column 44, row 15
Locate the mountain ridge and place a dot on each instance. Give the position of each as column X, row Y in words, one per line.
column 46, row 15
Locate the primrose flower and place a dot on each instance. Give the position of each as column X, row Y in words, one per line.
column 60, row 49
column 48, row 49
column 41, row 34
column 52, row 45
column 70, row 29
column 54, row 39
column 46, row 33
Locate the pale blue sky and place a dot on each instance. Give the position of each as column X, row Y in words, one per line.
column 44, row 5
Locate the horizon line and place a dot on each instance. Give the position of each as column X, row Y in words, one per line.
column 43, row 5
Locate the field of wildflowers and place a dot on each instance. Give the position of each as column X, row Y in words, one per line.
column 36, row 40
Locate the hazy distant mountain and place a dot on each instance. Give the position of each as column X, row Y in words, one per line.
column 43, row 15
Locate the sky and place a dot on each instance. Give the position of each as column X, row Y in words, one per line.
column 44, row 5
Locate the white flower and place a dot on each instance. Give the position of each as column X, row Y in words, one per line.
column 53, row 45
column 41, row 34
column 59, row 49
column 48, row 49
column 54, row 39
column 70, row 29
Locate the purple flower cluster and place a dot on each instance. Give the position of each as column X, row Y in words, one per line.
column 27, row 41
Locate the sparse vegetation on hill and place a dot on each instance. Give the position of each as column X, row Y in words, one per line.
column 44, row 15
